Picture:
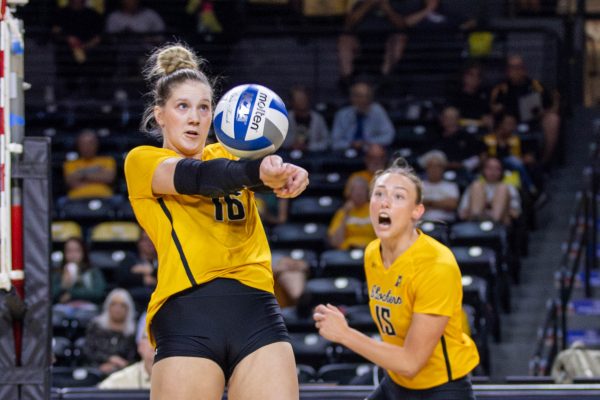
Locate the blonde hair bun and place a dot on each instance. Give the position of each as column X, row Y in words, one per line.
column 175, row 58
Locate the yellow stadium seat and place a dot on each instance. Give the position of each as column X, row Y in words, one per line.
column 63, row 230
column 114, row 233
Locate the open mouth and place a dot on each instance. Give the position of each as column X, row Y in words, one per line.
column 191, row 133
column 384, row 220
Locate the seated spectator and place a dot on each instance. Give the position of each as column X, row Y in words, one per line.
column 308, row 130
column 367, row 22
column 77, row 283
column 290, row 279
column 526, row 98
column 462, row 149
column 137, row 273
column 289, row 274
column 139, row 30
column 90, row 175
column 440, row 197
column 77, row 33
column 488, row 198
column 471, row 99
column 135, row 376
column 505, row 145
column 363, row 122
column 110, row 337
column 272, row 209
column 375, row 159
column 351, row 226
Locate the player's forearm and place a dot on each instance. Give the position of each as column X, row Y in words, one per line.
column 388, row 356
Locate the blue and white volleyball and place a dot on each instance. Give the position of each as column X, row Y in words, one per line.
column 251, row 121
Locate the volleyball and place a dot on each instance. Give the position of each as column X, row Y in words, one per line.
column 251, row 121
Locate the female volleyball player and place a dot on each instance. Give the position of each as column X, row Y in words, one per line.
column 415, row 296
column 213, row 317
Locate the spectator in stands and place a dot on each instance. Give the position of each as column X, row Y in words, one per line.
column 350, row 226
column 488, row 198
column 308, row 130
column 375, row 159
column 77, row 33
column 273, row 210
column 367, row 22
column 472, row 100
column 289, row 274
column 135, row 30
column 90, row 175
column 440, row 197
column 505, row 145
column 361, row 123
column 137, row 273
column 526, row 98
column 461, row 148
column 110, row 337
column 135, row 376
column 77, row 282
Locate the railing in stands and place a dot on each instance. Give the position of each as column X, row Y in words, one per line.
column 580, row 250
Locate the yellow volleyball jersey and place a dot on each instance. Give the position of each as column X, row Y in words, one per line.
column 197, row 238
column 424, row 279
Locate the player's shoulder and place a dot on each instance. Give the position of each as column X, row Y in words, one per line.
column 432, row 250
column 146, row 150
column 216, row 150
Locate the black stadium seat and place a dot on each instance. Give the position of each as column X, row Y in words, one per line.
column 314, row 208
column 337, row 291
column 298, row 235
column 335, row 263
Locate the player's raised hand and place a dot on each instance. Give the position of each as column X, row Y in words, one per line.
column 296, row 183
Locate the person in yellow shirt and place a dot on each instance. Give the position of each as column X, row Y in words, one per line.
column 212, row 318
column 90, row 175
column 415, row 296
column 350, row 226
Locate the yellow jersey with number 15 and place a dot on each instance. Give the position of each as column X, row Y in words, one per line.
column 197, row 238
column 424, row 279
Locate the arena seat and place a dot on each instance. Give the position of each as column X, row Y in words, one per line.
column 306, row 373
column 121, row 235
column 481, row 262
column 342, row 161
column 311, row 349
column 307, row 255
column 299, row 235
column 314, row 208
column 437, row 230
column 298, row 319
column 63, row 230
column 337, row 291
column 75, row 377
column 335, row 263
column 87, row 211
column 109, row 262
column 359, row 317
column 495, row 236
column 62, row 348
column 326, row 184
column 348, row 373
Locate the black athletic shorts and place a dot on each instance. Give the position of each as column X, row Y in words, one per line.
column 459, row 389
column 222, row 320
